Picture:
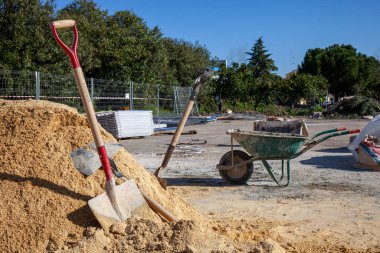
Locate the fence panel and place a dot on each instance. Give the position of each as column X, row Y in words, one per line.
column 17, row 84
column 110, row 94
column 60, row 89
column 105, row 94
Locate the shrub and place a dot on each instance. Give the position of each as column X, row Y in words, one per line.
column 358, row 105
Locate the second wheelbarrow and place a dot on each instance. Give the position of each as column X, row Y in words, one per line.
column 236, row 166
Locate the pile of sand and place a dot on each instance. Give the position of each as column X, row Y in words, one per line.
column 44, row 198
column 141, row 235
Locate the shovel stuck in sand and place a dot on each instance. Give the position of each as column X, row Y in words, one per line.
column 119, row 202
column 196, row 87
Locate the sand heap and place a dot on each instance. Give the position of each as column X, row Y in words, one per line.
column 141, row 235
column 44, row 198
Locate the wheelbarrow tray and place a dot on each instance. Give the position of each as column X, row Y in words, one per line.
column 269, row 145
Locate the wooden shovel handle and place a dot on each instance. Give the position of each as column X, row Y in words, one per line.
column 158, row 208
column 91, row 117
column 86, row 100
column 62, row 24
column 82, row 86
column 197, row 86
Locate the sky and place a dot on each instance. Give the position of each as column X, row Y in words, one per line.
column 229, row 28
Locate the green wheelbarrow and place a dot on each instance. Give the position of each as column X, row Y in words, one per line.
column 236, row 166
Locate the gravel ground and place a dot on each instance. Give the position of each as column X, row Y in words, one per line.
column 328, row 198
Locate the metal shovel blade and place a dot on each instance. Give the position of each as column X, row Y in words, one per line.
column 130, row 200
column 87, row 160
column 112, row 148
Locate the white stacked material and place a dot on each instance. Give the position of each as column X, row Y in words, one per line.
column 123, row 124
column 160, row 125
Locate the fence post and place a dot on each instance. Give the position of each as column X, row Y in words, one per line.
column 92, row 89
column 38, row 83
column 131, row 95
column 158, row 101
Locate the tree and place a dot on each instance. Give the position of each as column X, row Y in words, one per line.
column 131, row 50
column 119, row 46
column 25, row 34
column 261, row 67
column 260, row 61
column 296, row 86
column 185, row 60
column 232, row 84
column 347, row 71
column 92, row 26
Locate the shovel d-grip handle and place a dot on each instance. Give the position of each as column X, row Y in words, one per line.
column 82, row 86
column 71, row 52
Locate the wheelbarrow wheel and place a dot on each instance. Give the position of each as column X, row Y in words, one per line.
column 238, row 175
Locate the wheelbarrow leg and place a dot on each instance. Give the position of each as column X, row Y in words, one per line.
column 288, row 172
column 271, row 173
column 232, row 152
column 282, row 170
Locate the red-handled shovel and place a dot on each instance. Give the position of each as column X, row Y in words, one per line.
column 124, row 200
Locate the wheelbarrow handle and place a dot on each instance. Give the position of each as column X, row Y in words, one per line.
column 313, row 143
column 71, row 52
column 338, row 134
column 329, row 131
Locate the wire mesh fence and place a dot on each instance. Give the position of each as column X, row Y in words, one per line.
column 105, row 94
column 181, row 97
column 17, row 85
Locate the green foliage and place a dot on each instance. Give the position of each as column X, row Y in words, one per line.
column 318, row 108
column 261, row 79
column 233, row 84
column 92, row 26
column 358, row 105
column 24, row 32
column 260, row 62
column 347, row 71
column 122, row 47
column 119, row 46
column 296, row 86
column 272, row 110
column 185, row 60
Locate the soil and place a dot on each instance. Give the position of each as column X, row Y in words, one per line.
column 44, row 198
column 329, row 206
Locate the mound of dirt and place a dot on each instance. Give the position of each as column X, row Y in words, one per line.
column 44, row 198
column 141, row 235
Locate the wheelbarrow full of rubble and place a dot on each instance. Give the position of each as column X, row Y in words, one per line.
column 236, row 166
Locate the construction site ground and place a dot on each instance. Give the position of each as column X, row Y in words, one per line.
column 328, row 199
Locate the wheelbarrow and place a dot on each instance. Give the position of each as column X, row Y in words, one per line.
column 236, row 166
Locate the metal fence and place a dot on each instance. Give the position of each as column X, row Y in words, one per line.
column 181, row 97
column 105, row 94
